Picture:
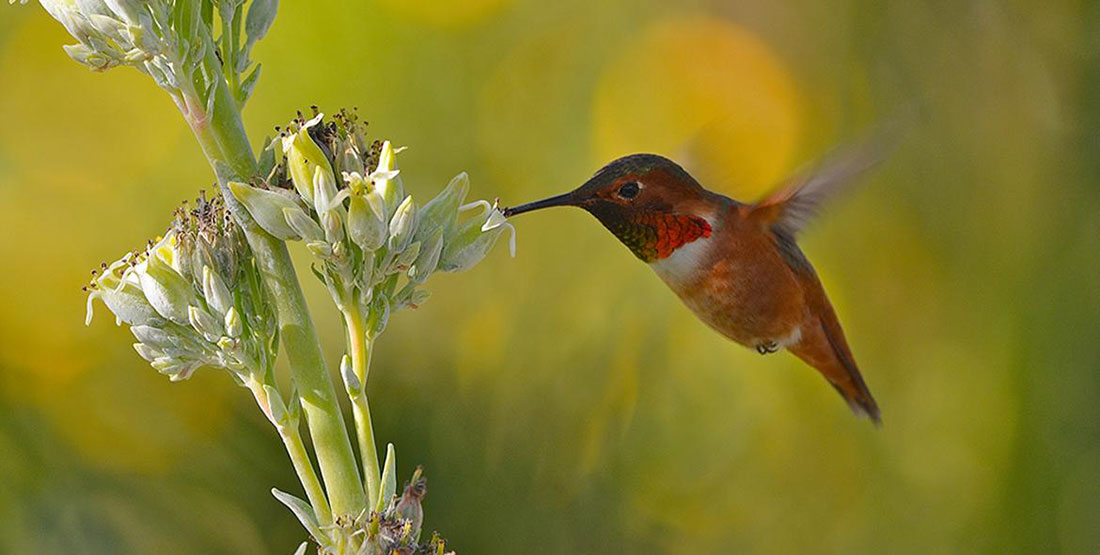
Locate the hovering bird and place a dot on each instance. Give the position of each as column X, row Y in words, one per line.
column 735, row 265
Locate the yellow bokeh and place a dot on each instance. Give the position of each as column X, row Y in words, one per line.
column 707, row 92
column 565, row 401
column 444, row 13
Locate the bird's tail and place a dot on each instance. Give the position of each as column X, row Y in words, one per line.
column 824, row 347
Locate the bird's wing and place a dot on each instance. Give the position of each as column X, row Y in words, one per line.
column 798, row 200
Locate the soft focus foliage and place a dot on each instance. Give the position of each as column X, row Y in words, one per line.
column 565, row 400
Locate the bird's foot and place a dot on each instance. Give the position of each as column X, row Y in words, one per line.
column 767, row 347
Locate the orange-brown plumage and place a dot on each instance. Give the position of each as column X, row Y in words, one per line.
column 736, row 266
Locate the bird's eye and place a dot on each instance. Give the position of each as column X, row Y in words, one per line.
column 629, row 190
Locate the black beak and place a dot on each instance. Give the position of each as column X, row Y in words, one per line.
column 560, row 200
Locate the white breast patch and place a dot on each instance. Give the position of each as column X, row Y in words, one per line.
column 681, row 265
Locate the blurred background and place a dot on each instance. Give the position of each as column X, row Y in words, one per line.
column 564, row 401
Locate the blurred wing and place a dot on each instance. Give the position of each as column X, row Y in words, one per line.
column 796, row 203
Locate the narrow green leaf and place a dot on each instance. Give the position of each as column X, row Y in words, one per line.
column 389, row 479
column 304, row 512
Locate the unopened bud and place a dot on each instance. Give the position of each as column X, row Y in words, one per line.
column 148, row 353
column 168, row 291
column 426, row 262
column 441, row 211
column 402, row 225
column 419, row 297
column 471, row 242
column 326, row 197
column 379, row 314
column 204, row 323
column 320, row 249
column 266, row 207
column 303, row 225
column 352, row 384
column 333, row 226
column 233, row 325
column 157, row 338
column 175, row 369
column 216, row 292
column 407, row 257
column 86, row 56
column 261, row 14
column 278, row 412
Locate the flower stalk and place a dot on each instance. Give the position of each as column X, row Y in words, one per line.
column 285, row 420
column 359, row 347
column 219, row 289
column 221, row 135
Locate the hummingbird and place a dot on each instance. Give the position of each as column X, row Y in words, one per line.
column 736, row 265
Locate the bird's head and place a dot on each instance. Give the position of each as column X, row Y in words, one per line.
column 647, row 201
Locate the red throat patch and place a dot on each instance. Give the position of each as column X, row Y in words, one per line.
column 675, row 231
column 653, row 236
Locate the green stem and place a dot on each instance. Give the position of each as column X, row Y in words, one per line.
column 360, row 347
column 299, row 457
column 222, row 137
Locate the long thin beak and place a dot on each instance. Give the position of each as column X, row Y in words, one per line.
column 560, row 200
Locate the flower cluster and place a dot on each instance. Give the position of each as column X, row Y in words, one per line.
column 193, row 298
column 169, row 40
column 375, row 245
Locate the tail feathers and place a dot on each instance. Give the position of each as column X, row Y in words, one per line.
column 827, row 351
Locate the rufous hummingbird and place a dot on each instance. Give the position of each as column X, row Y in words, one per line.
column 735, row 265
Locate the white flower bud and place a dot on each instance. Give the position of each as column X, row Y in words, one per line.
column 216, row 292
column 266, row 207
column 168, row 291
column 233, row 325
column 441, row 211
column 379, row 314
column 261, row 14
column 204, row 323
column 157, row 338
column 402, row 225
column 333, row 226
column 468, row 246
column 86, row 56
column 276, row 407
column 419, row 297
column 407, row 257
column 326, row 197
column 303, row 225
column 320, row 249
column 175, row 369
column 426, row 262
column 148, row 353
column 352, row 384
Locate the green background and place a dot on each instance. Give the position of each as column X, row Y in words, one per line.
column 564, row 401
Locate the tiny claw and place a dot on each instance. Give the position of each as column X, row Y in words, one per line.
column 767, row 348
